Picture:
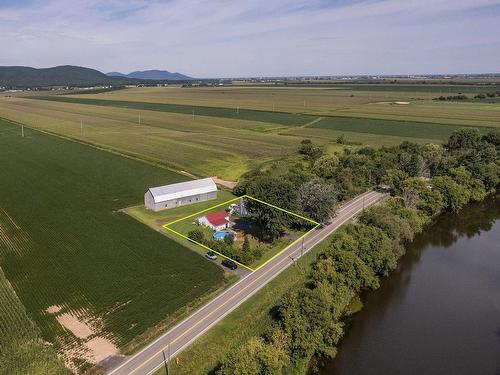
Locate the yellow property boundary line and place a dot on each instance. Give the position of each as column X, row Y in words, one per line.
column 316, row 224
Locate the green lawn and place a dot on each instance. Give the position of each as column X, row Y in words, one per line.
column 71, row 246
column 270, row 249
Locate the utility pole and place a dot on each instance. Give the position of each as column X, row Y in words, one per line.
column 168, row 355
column 81, row 127
column 165, row 362
column 22, row 131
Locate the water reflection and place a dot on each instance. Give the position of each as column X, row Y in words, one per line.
column 439, row 312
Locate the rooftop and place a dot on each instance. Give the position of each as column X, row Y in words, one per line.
column 182, row 189
column 218, row 218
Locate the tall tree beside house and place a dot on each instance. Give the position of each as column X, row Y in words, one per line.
column 282, row 193
column 318, row 200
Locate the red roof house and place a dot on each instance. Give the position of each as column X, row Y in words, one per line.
column 216, row 220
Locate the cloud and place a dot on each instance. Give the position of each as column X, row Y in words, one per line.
column 208, row 38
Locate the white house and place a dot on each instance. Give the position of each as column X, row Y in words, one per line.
column 174, row 195
column 240, row 208
column 216, row 220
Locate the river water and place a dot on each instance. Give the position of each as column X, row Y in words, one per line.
column 439, row 312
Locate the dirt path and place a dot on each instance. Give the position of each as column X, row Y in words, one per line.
column 311, row 122
column 225, row 183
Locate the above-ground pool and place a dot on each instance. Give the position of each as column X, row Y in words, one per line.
column 220, row 235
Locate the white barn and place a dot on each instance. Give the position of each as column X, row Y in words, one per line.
column 174, row 195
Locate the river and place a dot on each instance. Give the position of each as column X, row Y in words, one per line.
column 439, row 312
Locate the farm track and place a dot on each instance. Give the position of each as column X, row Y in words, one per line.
column 310, row 123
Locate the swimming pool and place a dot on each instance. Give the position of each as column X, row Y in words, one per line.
column 220, row 235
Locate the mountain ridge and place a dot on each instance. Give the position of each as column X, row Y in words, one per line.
column 62, row 75
column 153, row 74
column 77, row 76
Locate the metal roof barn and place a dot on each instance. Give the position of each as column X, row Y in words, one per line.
column 174, row 195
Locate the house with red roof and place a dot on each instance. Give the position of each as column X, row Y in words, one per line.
column 216, row 220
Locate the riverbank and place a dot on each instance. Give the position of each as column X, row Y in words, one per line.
column 306, row 319
column 439, row 312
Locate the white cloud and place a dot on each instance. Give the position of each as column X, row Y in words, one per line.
column 255, row 37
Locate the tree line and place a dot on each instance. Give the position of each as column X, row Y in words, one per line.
column 424, row 180
column 461, row 96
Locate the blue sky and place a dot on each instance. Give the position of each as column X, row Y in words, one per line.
column 231, row 38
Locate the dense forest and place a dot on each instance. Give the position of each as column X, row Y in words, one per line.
column 424, row 181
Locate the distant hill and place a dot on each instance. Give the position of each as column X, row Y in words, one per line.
column 66, row 75
column 157, row 75
column 115, row 74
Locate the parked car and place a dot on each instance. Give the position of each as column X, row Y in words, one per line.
column 229, row 264
column 211, row 255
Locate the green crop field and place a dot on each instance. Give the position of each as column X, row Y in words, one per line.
column 361, row 101
column 282, row 118
column 408, row 129
column 68, row 251
column 22, row 351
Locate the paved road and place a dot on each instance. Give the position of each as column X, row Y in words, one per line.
column 149, row 359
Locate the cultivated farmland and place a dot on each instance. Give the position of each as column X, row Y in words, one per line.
column 201, row 145
column 22, row 351
column 410, row 129
column 361, row 101
column 223, row 130
column 76, row 261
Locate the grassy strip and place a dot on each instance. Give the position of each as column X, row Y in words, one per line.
column 282, row 118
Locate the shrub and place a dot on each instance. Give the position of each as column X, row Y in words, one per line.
column 196, row 235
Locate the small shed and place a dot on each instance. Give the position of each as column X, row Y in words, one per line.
column 175, row 195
